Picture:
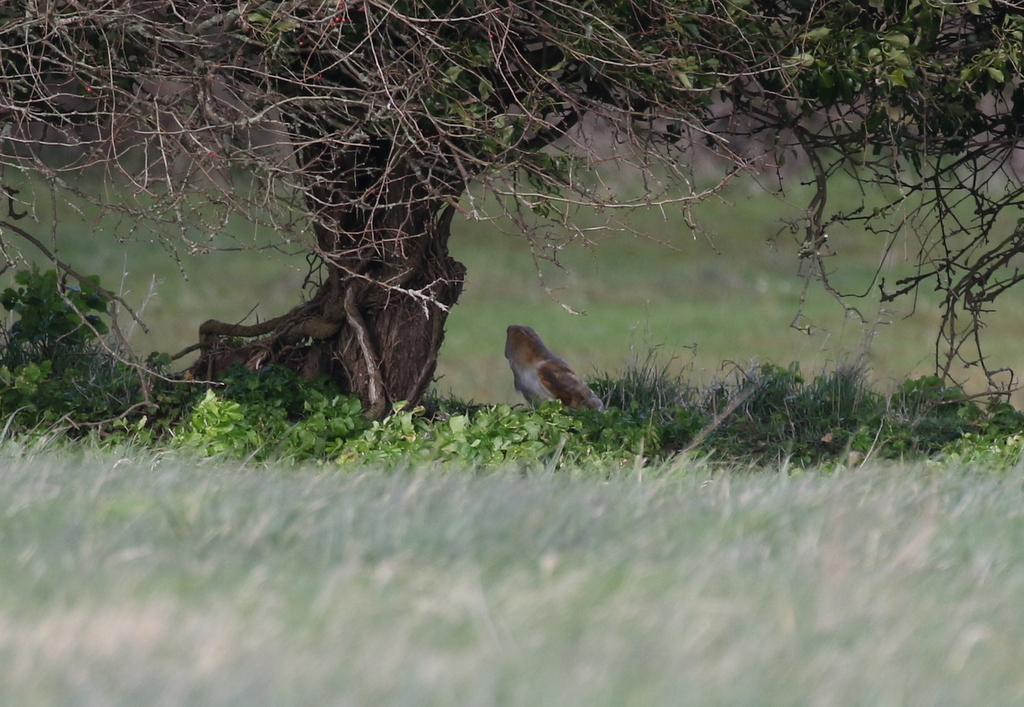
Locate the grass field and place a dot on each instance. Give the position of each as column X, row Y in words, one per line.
column 706, row 300
column 141, row 579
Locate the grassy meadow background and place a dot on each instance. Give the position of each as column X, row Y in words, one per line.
column 133, row 578
column 136, row 576
column 707, row 300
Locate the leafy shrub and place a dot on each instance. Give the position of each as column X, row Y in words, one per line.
column 21, row 387
column 55, row 320
column 55, row 370
column 274, row 413
column 499, row 434
column 52, row 363
column 999, row 453
column 996, row 439
column 925, row 415
column 218, row 426
column 271, row 412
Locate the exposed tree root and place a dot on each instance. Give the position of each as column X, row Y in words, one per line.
column 375, row 388
column 291, row 339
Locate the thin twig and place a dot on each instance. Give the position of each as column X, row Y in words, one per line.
column 718, row 419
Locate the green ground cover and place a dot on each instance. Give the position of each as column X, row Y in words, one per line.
column 139, row 578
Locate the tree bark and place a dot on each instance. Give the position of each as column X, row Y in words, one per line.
column 393, row 331
column 376, row 323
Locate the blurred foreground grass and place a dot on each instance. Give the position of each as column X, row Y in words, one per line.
column 135, row 579
column 707, row 300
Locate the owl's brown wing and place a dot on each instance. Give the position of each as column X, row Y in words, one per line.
column 566, row 386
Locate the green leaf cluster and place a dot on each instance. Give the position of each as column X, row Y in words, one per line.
column 493, row 435
column 53, row 317
column 52, row 362
column 271, row 412
column 333, row 429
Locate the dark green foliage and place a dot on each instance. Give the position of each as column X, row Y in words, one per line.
column 783, row 416
column 769, row 414
column 271, row 412
column 56, row 321
column 926, row 414
column 219, row 425
column 648, row 394
column 836, row 413
column 52, row 364
column 274, row 391
column 1000, row 419
column 56, row 371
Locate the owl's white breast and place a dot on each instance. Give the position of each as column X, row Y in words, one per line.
column 528, row 382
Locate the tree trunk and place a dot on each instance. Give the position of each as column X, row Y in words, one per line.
column 394, row 316
column 376, row 323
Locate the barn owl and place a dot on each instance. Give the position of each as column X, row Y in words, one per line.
column 540, row 375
